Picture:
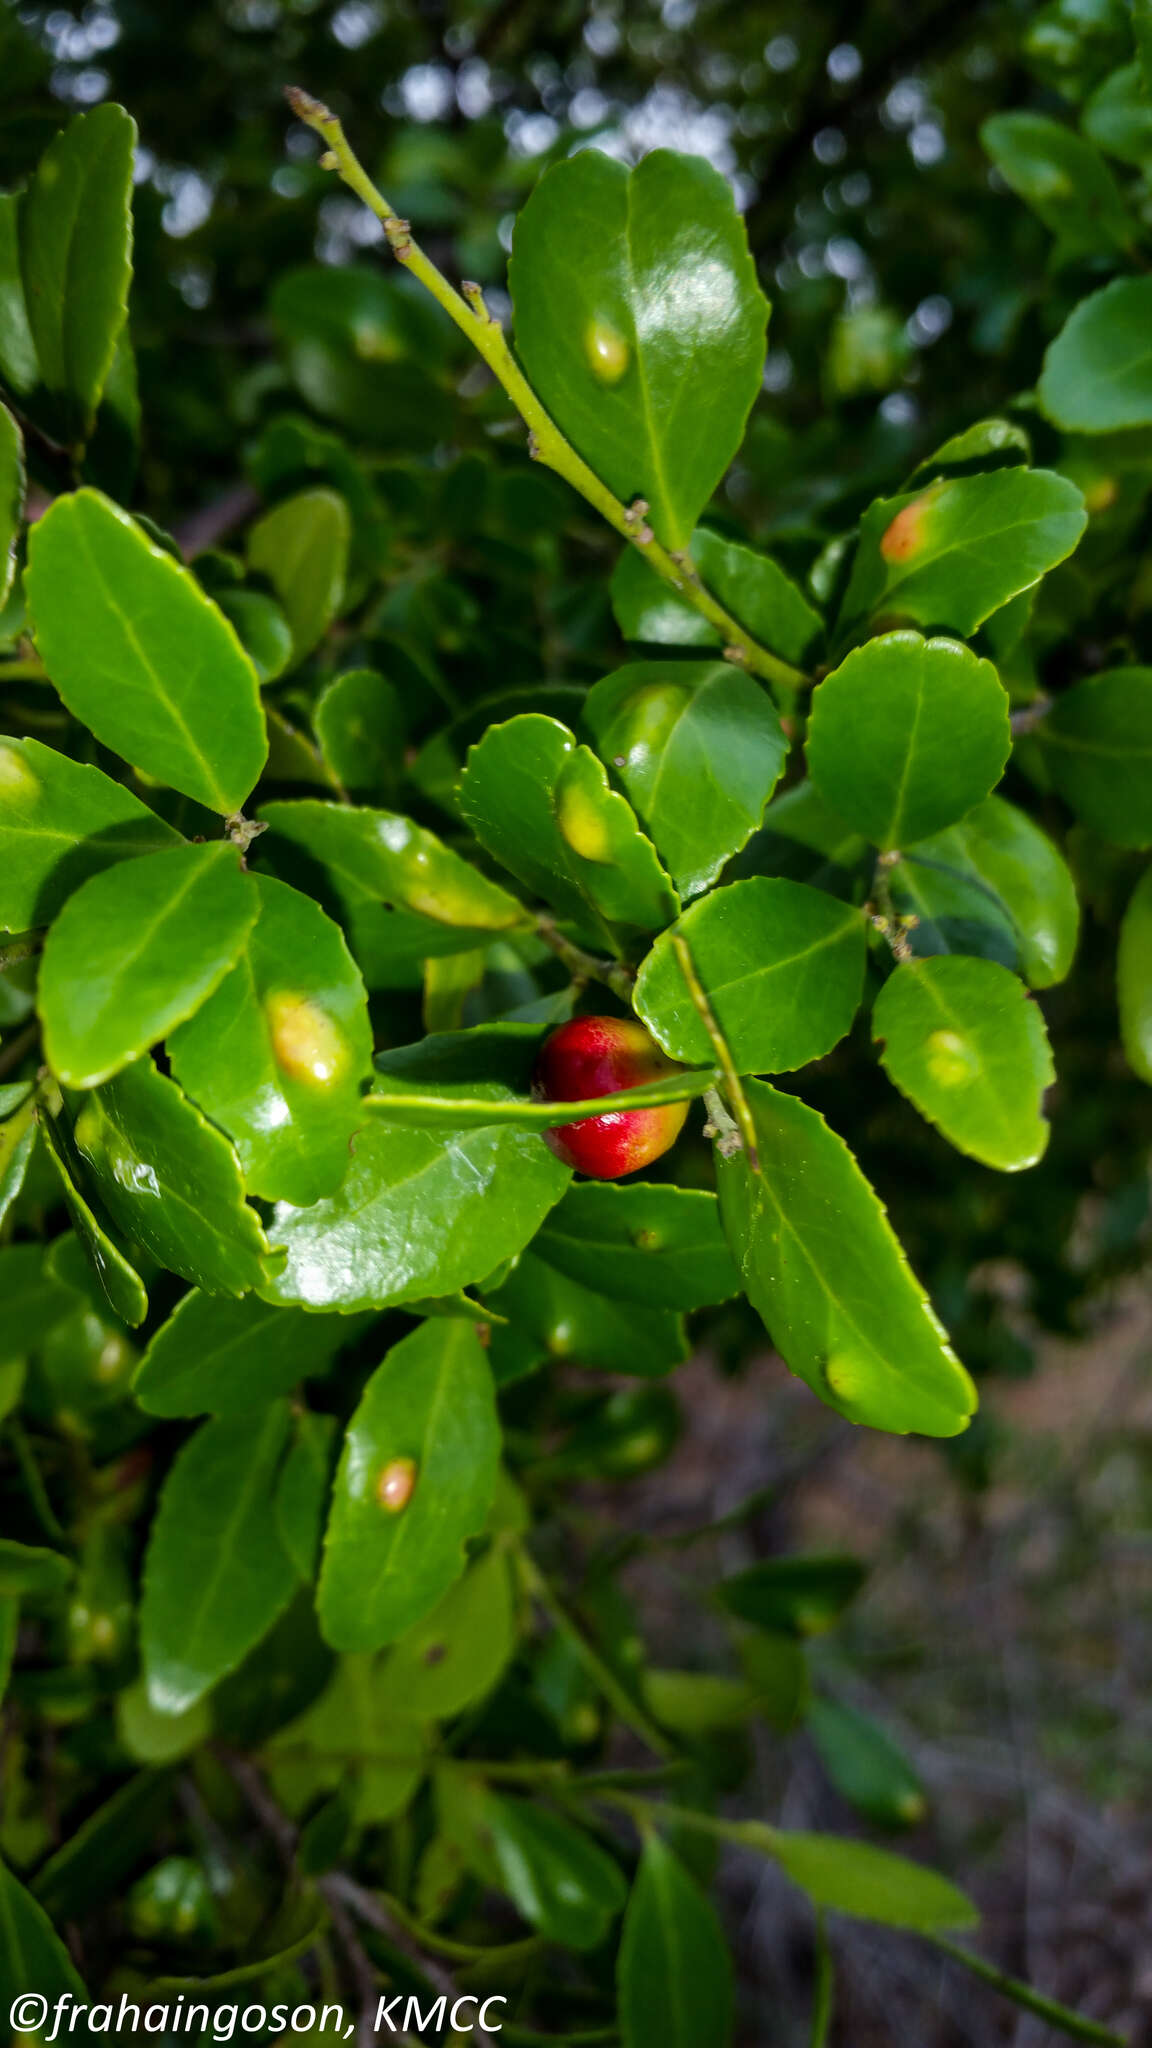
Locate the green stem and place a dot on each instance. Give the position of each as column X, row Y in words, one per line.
column 601, row 1674
column 733, row 1086
column 546, row 442
column 585, row 966
column 540, row 1116
column 1049, row 2009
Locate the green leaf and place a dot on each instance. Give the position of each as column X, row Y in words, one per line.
column 542, row 805
column 119, row 1280
column 823, row 1268
column 367, row 351
column 1063, row 179
column 751, row 586
column 426, row 1420
column 62, row 822
column 26, row 1569
column 76, row 256
column 674, row 1972
column 216, row 1574
column 342, row 1738
column 865, row 1765
column 137, row 949
column 171, row 1181
column 220, row 1357
column 261, row 628
column 403, row 895
column 793, row 1596
column 556, row 1876
column 782, row 966
column 106, row 1845
column 964, row 1042
column 11, row 497
column 1010, row 875
column 18, row 365
column 640, row 324
column 359, row 723
column 844, row 1876
column 579, row 1324
column 906, row 735
column 950, row 556
column 1118, row 117
column 140, row 655
column 454, row 1655
column 418, row 1213
column 699, row 749
column 1097, row 374
column 277, row 1055
column 301, row 546
column 1134, row 979
column 32, row 1955
column 1097, row 746
column 660, row 1247
column 302, row 1493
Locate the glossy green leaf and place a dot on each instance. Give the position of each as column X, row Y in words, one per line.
column 17, row 1143
column 1097, row 374
column 674, row 1972
column 150, row 1737
column 845, row 1876
column 455, row 1655
column 216, row 1574
column 751, row 586
column 140, row 655
column 1063, row 179
column 359, row 723
column 542, row 805
column 32, row 1955
column 965, row 1043
column 301, row 546
column 277, row 1055
column 302, row 1492
column 261, row 628
column 119, row 1281
column 560, row 1880
column 782, row 966
column 1009, row 875
column 11, row 497
column 699, row 749
column 427, row 1419
column 137, row 949
column 1118, row 117
column 906, row 735
column 18, row 365
column 988, row 444
column 1134, row 979
column 367, row 351
column 823, row 1268
column 660, row 1247
column 582, row 1325
column 803, row 840
column 418, row 1213
column 1097, row 745
column 76, row 257
column 219, row 1357
column 794, row 1596
column 640, row 324
column 402, row 895
column 171, row 1181
column 865, row 1765
column 60, row 823
column 950, row 556
column 26, row 1568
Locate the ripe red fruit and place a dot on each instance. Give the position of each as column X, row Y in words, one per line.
column 598, row 1056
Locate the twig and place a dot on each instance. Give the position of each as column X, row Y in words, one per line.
column 546, row 443
column 1059, row 2016
column 341, row 1891
column 737, row 1100
column 823, row 1989
column 584, row 966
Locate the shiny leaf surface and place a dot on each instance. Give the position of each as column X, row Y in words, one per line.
column 220, row 1357
column 60, row 823
column 751, row 586
column 1097, row 374
column 301, row 546
column 674, row 1972
column 1011, row 876
column 660, row 1247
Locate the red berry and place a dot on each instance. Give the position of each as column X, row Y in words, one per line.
column 598, row 1056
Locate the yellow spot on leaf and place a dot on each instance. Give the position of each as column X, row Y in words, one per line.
column 17, row 779
column 307, row 1044
column 905, row 536
column 608, row 353
column 951, row 1060
column 396, row 1485
column 583, row 824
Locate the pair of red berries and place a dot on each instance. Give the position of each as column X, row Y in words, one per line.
column 599, row 1056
